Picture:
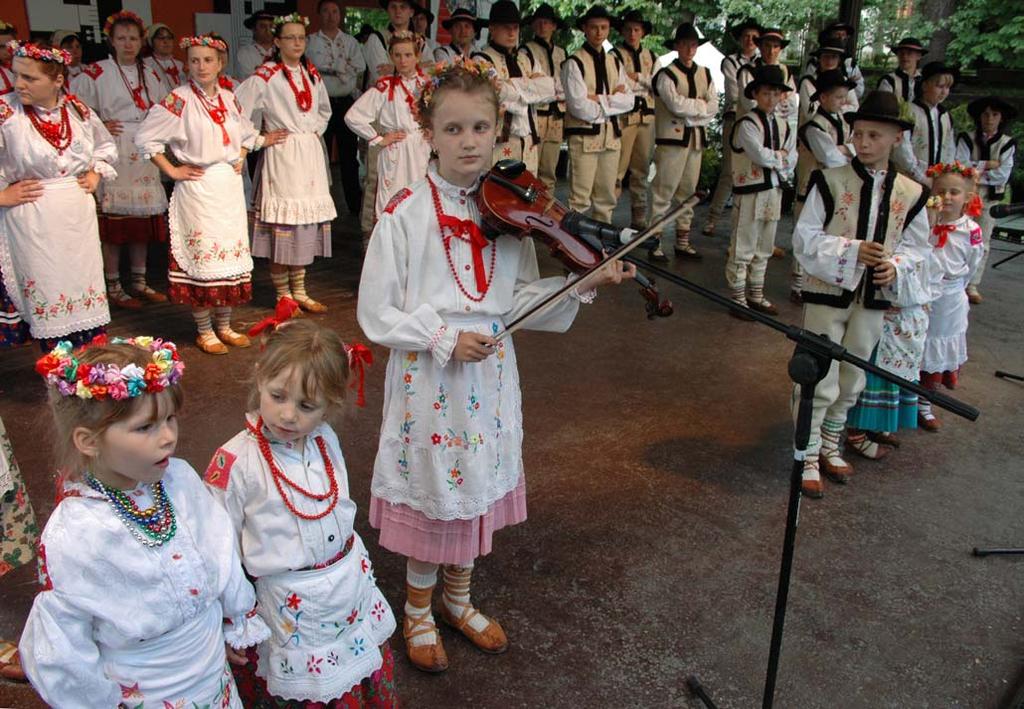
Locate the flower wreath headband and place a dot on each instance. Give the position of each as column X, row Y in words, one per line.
column 203, row 40
column 443, row 70
column 123, row 16
column 294, row 18
column 63, row 371
column 42, row 54
column 956, row 167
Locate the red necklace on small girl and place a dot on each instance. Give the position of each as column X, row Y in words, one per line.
column 281, row 480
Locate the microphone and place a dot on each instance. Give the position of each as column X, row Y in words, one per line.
column 592, row 230
column 1006, row 210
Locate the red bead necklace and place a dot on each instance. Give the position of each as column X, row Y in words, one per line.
column 465, row 226
column 217, row 112
column 279, row 476
column 304, row 98
column 136, row 91
column 56, row 134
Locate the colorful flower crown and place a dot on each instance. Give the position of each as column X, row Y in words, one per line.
column 203, row 40
column 123, row 16
column 62, row 370
column 955, row 167
column 43, row 54
column 442, row 70
column 294, row 18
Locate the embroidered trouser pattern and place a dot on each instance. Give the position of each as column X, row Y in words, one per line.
column 752, row 240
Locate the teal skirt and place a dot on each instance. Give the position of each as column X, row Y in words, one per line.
column 883, row 406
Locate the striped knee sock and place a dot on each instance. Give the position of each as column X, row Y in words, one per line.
column 280, row 281
column 297, row 277
column 203, row 323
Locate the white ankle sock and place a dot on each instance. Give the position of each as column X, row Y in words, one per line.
column 456, row 595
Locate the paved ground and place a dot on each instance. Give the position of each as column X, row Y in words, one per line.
column 657, row 457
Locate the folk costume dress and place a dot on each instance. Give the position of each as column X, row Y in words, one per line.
column 293, row 203
column 958, row 249
column 313, row 576
column 387, row 107
column 50, row 259
column 976, row 149
column 210, row 263
column 171, row 71
column 118, row 623
column 133, row 207
column 449, row 469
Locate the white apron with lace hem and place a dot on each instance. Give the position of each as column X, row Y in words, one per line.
column 137, row 191
column 51, row 260
column 209, row 225
column 293, row 184
column 326, row 625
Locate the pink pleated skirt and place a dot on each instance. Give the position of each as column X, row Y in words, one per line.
column 409, row 532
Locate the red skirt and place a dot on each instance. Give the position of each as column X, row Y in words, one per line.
column 117, row 229
column 222, row 293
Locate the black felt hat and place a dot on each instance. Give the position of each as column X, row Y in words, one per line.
column 545, row 12
column 831, row 79
column 595, row 12
column 772, row 33
column 420, row 10
column 881, row 106
column 504, row 12
column 747, row 24
column 634, row 16
column 463, row 14
column 414, row 5
column 1006, row 109
column 255, row 17
column 912, row 43
column 935, row 68
column 831, row 46
column 836, row 26
column 767, row 75
column 683, row 32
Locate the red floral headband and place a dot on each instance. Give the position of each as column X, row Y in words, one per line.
column 123, row 16
column 203, row 40
column 956, row 168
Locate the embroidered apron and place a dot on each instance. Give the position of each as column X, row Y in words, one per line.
column 137, row 191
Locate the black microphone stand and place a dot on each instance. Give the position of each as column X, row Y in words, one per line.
column 813, row 356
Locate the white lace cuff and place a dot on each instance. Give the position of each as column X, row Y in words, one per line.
column 442, row 344
column 105, row 170
column 246, row 630
column 584, row 297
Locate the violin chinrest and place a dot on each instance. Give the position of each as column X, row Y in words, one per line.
column 509, row 168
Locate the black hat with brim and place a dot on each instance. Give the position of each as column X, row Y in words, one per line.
column 838, row 25
column 936, row 68
column 504, row 12
column 683, row 32
column 882, row 107
column 415, row 6
column 255, row 17
column 978, row 105
column 831, row 47
column 545, row 12
column 767, row 75
column 461, row 14
column 772, row 33
column 747, row 24
column 831, row 79
column 637, row 17
column 911, row 43
column 595, row 12
column 424, row 11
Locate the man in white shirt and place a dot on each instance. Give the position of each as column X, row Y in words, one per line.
column 339, row 58
column 252, row 55
column 464, row 27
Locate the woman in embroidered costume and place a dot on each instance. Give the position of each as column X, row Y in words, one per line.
column 958, row 250
column 133, row 208
column 53, row 152
column 449, row 467
column 390, row 106
column 142, row 584
column 293, row 204
column 284, row 484
column 69, row 41
column 161, row 60
column 203, row 124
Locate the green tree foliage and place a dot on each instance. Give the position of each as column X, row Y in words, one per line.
column 988, row 31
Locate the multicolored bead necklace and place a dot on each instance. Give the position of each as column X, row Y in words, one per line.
column 153, row 526
column 280, row 479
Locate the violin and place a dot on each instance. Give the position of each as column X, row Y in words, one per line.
column 513, row 201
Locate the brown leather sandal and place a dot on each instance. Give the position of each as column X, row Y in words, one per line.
column 491, row 639
column 430, row 657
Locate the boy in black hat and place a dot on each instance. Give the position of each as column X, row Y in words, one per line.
column 261, row 50
column 903, row 80
column 991, row 152
column 637, row 125
column 464, row 27
column 823, row 141
column 862, row 233
column 931, row 140
column 522, row 87
column 745, row 34
column 764, row 156
column 686, row 101
column 547, row 58
column 770, row 44
column 596, row 94
column 422, row 24
column 840, row 32
column 830, row 57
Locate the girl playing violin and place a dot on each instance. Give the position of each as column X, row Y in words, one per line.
column 449, row 470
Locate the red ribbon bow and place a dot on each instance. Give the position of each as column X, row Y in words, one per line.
column 285, row 310
column 468, row 230
column 942, row 232
column 359, row 358
column 974, row 207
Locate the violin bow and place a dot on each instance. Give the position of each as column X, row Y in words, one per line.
column 590, row 275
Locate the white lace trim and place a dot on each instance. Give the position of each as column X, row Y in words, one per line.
column 245, row 632
column 283, row 210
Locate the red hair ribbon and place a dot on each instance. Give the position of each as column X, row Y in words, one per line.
column 974, row 207
column 285, row 310
column 942, row 232
column 359, row 357
column 468, row 230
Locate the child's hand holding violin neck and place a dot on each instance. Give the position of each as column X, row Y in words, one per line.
column 613, row 273
column 473, row 347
